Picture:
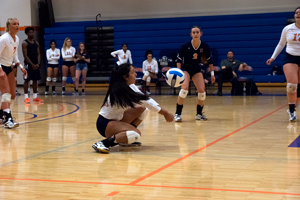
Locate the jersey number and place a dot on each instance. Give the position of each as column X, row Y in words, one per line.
column 295, row 38
column 124, row 56
column 149, row 68
column 195, row 56
column 68, row 53
column 15, row 48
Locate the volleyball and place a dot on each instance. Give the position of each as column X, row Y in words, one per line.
column 174, row 77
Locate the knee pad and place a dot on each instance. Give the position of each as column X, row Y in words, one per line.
column 183, row 93
column 64, row 78
column 48, row 79
column 144, row 114
column 6, row 97
column 53, row 79
column 132, row 136
column 149, row 79
column 16, row 78
column 146, row 73
column 74, row 79
column 291, row 88
column 202, row 96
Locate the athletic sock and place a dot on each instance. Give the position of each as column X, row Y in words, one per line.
column 63, row 88
column 110, row 142
column 148, row 88
column 53, row 88
column 47, row 88
column 179, row 109
column 34, row 95
column 199, row 109
column 82, row 90
column 292, row 108
column 26, row 96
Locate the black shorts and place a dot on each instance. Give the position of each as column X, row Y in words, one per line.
column 15, row 66
column 6, row 69
column 53, row 66
column 33, row 75
column 102, row 124
column 69, row 63
column 292, row 59
column 194, row 69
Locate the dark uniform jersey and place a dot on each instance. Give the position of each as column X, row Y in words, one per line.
column 190, row 57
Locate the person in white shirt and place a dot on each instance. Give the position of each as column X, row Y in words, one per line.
column 9, row 43
column 53, row 55
column 150, row 70
column 290, row 37
column 123, row 55
column 68, row 53
column 123, row 109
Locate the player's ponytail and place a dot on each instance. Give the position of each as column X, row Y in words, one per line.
column 119, row 93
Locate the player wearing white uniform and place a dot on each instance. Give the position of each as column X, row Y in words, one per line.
column 9, row 43
column 123, row 55
column 68, row 53
column 123, row 109
column 150, row 69
column 53, row 55
column 290, row 37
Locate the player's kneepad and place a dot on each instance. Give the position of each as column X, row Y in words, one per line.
column 74, row 79
column 146, row 73
column 64, row 78
column 149, row 79
column 202, row 96
column 6, row 97
column 49, row 79
column 54, row 79
column 291, row 88
column 183, row 93
column 132, row 136
column 144, row 114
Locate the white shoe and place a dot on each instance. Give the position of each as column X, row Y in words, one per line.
column 148, row 93
column 201, row 117
column 177, row 118
column 63, row 92
column 53, row 93
column 46, row 93
column 11, row 124
column 292, row 115
column 99, row 147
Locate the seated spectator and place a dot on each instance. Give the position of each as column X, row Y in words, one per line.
column 150, row 70
column 228, row 69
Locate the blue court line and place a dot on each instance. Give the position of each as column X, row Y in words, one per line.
column 296, row 143
column 34, row 115
column 77, row 108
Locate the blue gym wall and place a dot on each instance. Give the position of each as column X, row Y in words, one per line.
column 252, row 37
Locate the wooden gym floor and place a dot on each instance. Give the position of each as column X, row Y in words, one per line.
column 241, row 152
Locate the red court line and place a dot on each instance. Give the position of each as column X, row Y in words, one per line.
column 198, row 150
column 113, row 193
column 155, row 186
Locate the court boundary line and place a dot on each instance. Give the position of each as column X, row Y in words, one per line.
column 153, row 186
column 198, row 150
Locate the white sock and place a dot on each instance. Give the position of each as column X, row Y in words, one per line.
column 26, row 96
column 7, row 110
column 34, row 95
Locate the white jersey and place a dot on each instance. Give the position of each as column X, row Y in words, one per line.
column 52, row 56
column 67, row 55
column 115, row 113
column 151, row 67
column 8, row 50
column 123, row 57
column 290, row 37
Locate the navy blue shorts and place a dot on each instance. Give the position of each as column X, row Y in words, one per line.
column 53, row 66
column 33, row 75
column 6, row 69
column 292, row 59
column 102, row 124
column 194, row 70
column 69, row 63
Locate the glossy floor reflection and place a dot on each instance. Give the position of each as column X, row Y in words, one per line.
column 241, row 152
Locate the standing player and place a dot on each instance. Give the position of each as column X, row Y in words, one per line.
column 290, row 37
column 123, row 55
column 31, row 53
column 150, row 69
column 189, row 60
column 121, row 113
column 9, row 43
column 68, row 53
column 53, row 55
